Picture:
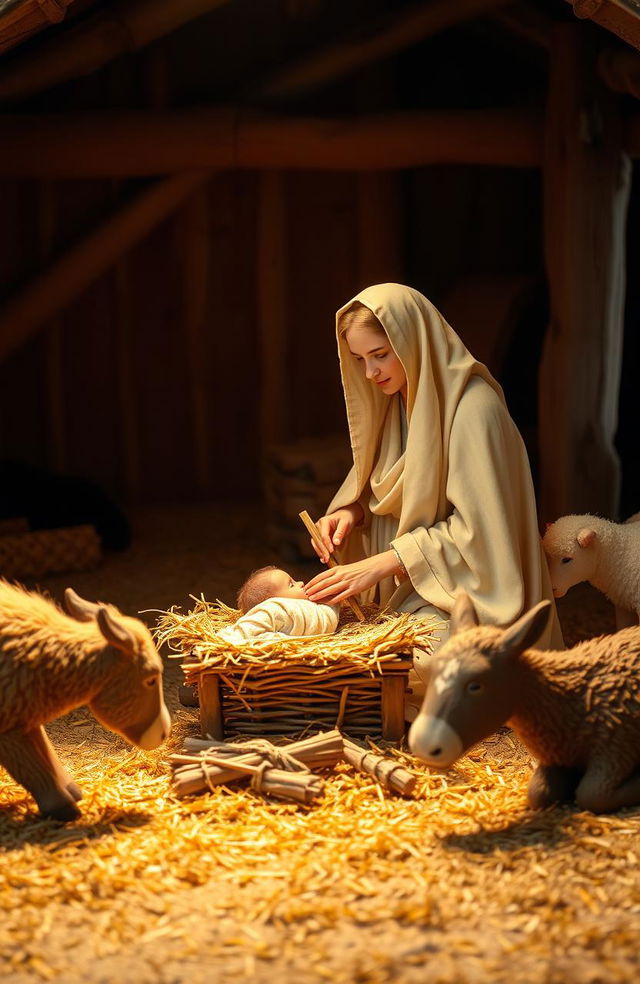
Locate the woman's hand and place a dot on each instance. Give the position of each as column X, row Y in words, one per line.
column 345, row 580
column 335, row 527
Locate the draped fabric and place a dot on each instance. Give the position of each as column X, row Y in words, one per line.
column 456, row 498
column 278, row 617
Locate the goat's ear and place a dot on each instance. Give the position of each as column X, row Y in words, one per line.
column 527, row 630
column 78, row 608
column 586, row 537
column 114, row 630
column 463, row 615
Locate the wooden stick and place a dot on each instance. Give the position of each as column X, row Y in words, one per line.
column 389, row 773
column 303, row 787
column 317, row 751
column 332, row 562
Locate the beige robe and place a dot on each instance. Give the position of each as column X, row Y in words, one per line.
column 456, row 501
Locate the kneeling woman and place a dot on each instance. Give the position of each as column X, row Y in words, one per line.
column 440, row 497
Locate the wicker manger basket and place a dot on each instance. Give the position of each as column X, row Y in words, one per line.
column 355, row 679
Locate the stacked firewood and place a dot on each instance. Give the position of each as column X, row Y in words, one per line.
column 305, row 474
column 283, row 771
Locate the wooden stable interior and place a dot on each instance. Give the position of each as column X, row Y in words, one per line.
column 191, row 188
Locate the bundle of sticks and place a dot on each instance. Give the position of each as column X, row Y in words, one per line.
column 283, row 771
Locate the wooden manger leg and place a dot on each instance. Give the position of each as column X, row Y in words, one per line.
column 211, row 719
column 393, row 689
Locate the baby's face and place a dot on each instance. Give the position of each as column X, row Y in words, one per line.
column 285, row 587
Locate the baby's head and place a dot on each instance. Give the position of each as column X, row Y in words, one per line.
column 268, row 582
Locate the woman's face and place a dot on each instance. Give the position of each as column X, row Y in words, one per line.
column 380, row 364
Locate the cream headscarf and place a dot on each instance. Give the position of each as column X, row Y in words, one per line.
column 458, row 505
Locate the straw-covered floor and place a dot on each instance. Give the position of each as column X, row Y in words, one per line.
column 459, row 883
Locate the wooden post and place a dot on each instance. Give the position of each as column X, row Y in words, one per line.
column 272, row 312
column 195, row 278
column 211, row 719
column 586, row 183
column 393, row 689
column 125, row 383
column 379, row 228
column 54, row 369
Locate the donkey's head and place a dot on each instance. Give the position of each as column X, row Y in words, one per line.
column 129, row 697
column 473, row 683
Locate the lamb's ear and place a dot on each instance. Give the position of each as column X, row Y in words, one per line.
column 79, row 608
column 463, row 614
column 114, row 630
column 526, row 630
column 586, row 537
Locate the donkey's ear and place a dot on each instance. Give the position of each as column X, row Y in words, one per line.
column 463, row 615
column 527, row 630
column 79, row 608
column 114, row 630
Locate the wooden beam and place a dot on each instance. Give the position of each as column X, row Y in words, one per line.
column 587, row 183
column 388, row 37
column 621, row 17
column 130, row 144
column 94, row 41
column 48, row 293
column 619, row 68
column 527, row 22
column 19, row 21
column 46, row 224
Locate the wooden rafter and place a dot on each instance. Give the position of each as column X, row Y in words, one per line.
column 19, row 19
column 621, row 17
column 402, row 30
column 94, row 41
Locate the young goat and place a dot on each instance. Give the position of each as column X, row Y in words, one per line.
column 606, row 554
column 577, row 711
column 51, row 663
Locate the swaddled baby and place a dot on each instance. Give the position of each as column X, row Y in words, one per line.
column 274, row 605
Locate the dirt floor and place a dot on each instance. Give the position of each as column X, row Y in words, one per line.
column 460, row 883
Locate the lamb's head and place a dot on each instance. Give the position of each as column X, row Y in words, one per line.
column 473, row 683
column 129, row 699
column 571, row 545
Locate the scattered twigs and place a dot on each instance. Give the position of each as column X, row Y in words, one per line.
column 303, row 787
column 332, row 562
column 213, row 763
column 390, row 774
column 281, row 771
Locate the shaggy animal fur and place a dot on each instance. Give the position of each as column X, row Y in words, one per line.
column 606, row 554
column 576, row 710
column 50, row 663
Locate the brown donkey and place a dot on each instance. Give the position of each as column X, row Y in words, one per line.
column 51, row 662
column 577, row 711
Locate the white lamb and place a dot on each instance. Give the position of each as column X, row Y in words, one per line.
column 606, row 554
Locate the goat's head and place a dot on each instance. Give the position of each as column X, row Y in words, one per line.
column 473, row 681
column 129, row 700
